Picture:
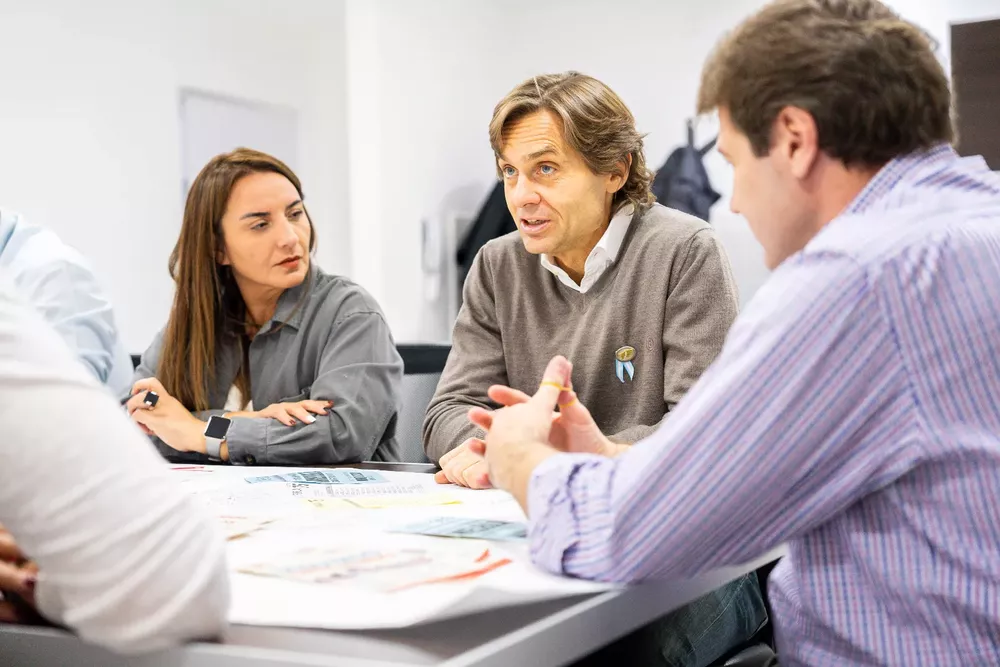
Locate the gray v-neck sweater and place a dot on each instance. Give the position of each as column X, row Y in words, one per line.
column 670, row 295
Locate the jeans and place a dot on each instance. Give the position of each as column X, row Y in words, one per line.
column 696, row 635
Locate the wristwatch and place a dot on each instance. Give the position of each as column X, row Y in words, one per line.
column 215, row 433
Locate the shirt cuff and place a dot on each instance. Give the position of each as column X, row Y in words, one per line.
column 553, row 527
column 247, row 441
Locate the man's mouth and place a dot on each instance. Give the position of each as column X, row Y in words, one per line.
column 533, row 225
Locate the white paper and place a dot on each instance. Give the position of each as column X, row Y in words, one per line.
column 294, row 524
column 345, row 491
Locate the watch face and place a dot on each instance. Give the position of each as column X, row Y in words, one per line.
column 217, row 428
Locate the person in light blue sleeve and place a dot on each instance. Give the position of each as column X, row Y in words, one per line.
column 58, row 281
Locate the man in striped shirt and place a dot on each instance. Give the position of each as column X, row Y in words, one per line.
column 854, row 412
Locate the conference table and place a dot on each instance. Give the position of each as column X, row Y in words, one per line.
column 543, row 634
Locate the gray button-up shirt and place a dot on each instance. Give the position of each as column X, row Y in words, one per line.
column 335, row 346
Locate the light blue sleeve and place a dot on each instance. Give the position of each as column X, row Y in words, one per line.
column 69, row 297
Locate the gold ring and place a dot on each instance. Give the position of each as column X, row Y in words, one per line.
column 549, row 383
column 566, row 405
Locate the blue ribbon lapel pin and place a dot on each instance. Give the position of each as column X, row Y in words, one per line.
column 623, row 362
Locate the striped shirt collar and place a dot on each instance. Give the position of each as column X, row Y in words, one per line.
column 908, row 178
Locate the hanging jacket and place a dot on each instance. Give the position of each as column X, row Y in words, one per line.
column 682, row 182
column 492, row 222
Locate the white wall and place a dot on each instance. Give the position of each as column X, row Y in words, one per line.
column 393, row 97
column 424, row 78
column 426, row 85
column 89, row 124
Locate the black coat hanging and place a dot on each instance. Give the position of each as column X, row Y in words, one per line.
column 682, row 182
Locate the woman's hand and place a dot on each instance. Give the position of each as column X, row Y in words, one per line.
column 288, row 413
column 168, row 420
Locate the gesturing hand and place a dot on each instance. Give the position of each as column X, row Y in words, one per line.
column 573, row 429
column 518, row 435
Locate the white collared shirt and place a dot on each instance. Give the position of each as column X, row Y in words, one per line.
column 601, row 257
column 127, row 558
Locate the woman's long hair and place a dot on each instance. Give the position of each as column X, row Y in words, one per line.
column 208, row 303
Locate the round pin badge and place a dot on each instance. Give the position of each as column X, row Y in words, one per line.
column 626, row 353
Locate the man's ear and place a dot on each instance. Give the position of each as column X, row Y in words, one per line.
column 619, row 176
column 796, row 138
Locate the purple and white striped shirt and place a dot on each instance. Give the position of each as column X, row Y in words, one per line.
column 854, row 413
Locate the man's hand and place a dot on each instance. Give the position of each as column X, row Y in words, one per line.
column 16, row 576
column 517, row 439
column 460, row 466
column 168, row 420
column 573, row 428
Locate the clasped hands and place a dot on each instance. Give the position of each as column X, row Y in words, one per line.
column 523, row 433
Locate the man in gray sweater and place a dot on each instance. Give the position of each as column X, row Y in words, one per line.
column 639, row 296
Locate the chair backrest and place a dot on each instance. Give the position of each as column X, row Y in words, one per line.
column 422, row 367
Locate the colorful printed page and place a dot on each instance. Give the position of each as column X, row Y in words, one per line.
column 333, row 476
column 383, row 569
column 479, row 529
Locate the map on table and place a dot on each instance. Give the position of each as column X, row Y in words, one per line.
column 384, row 569
column 479, row 529
column 336, row 476
column 306, row 491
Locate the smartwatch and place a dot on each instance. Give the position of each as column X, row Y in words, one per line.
column 215, row 433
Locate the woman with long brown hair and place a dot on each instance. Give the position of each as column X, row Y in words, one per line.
column 265, row 359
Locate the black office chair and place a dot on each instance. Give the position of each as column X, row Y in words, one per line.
column 423, row 358
column 422, row 366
